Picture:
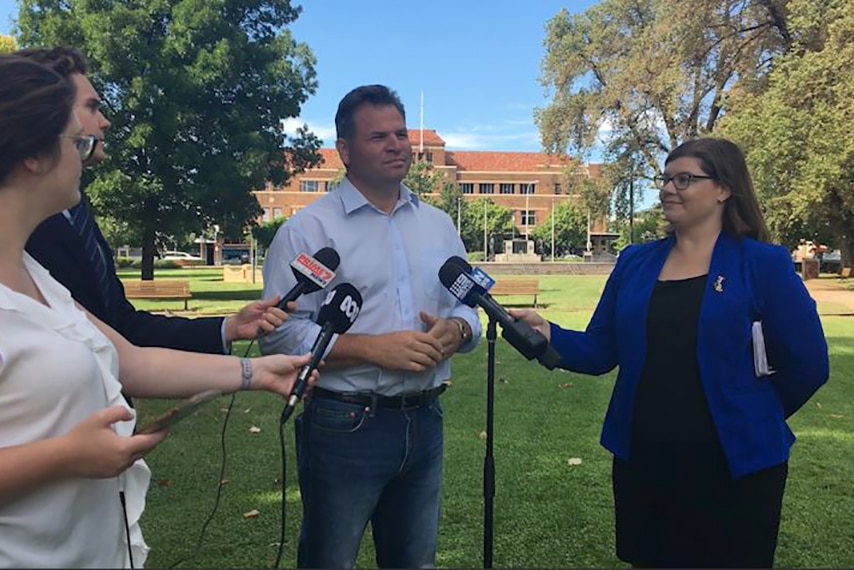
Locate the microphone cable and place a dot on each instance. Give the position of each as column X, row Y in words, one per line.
column 284, row 482
column 221, row 475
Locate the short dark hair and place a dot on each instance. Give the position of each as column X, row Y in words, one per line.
column 63, row 60
column 724, row 161
column 377, row 95
column 35, row 107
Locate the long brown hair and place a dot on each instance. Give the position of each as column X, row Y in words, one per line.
column 35, row 106
column 724, row 161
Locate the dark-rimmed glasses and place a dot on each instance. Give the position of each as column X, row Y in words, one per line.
column 681, row 180
column 85, row 145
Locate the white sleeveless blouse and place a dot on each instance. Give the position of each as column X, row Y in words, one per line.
column 56, row 369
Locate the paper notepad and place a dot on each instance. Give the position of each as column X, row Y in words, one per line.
column 760, row 358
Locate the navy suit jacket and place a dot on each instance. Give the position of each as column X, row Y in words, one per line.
column 57, row 246
column 748, row 281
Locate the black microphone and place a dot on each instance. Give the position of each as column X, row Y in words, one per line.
column 312, row 273
column 337, row 314
column 454, row 275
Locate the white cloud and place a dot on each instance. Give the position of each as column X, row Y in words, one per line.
column 326, row 133
column 493, row 137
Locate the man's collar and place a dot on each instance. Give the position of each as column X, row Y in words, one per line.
column 353, row 199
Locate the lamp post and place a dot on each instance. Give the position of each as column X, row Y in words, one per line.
column 632, row 202
column 553, row 229
column 485, row 248
column 459, row 206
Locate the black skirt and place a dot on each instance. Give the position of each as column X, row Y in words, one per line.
column 688, row 512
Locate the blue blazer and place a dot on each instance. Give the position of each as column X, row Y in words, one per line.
column 60, row 250
column 748, row 281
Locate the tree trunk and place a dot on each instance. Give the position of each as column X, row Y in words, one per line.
column 148, row 252
column 843, row 237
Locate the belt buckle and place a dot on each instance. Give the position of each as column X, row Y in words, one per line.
column 409, row 401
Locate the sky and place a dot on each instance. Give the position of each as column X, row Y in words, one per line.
column 476, row 63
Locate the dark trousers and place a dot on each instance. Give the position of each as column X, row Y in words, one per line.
column 358, row 464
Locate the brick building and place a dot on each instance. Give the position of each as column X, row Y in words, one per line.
column 528, row 183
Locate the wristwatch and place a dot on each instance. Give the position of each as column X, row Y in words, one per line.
column 463, row 326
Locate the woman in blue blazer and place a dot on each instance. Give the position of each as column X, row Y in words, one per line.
column 696, row 421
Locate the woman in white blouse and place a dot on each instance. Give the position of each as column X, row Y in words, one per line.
column 67, row 449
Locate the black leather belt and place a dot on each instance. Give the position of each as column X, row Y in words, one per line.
column 401, row 402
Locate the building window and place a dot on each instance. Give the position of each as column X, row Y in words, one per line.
column 557, row 187
column 277, row 213
column 309, row 185
column 429, row 157
column 466, row 187
column 265, row 217
column 529, row 217
column 486, row 188
column 507, row 188
column 525, row 188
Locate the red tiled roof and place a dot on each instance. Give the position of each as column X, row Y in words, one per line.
column 494, row 161
column 431, row 138
column 330, row 158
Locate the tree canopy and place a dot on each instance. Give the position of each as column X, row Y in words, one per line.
column 797, row 134
column 196, row 91
column 639, row 77
column 649, row 74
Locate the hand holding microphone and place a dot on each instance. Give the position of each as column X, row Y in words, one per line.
column 263, row 317
column 337, row 314
column 454, row 275
column 534, row 319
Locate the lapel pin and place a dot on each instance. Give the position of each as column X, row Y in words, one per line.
column 719, row 284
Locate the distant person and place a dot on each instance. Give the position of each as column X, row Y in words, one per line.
column 696, row 424
column 70, row 245
column 369, row 443
column 72, row 479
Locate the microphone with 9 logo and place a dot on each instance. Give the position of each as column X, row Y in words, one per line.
column 337, row 314
column 312, row 273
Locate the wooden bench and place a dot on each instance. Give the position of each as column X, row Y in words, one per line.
column 162, row 289
column 516, row 287
column 844, row 273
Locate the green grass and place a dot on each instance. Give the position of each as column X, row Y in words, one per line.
column 547, row 514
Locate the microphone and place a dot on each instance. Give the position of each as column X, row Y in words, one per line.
column 312, row 273
column 454, row 275
column 337, row 314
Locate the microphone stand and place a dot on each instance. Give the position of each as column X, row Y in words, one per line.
column 488, row 460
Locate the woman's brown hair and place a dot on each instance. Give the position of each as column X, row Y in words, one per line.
column 723, row 160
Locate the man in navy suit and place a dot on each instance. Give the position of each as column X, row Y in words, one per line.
column 60, row 246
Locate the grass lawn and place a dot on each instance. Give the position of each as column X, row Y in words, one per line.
column 547, row 513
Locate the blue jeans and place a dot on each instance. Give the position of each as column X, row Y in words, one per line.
column 358, row 464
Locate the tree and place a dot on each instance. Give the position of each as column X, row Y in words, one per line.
column 797, row 134
column 651, row 72
column 451, row 201
column 649, row 225
column 198, row 89
column 336, row 180
column 266, row 231
column 484, row 214
column 570, row 229
column 7, row 44
column 424, row 179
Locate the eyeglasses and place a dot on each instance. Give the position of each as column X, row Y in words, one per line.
column 681, row 181
column 85, row 145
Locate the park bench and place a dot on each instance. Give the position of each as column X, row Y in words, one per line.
column 517, row 287
column 163, row 289
column 844, row 273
